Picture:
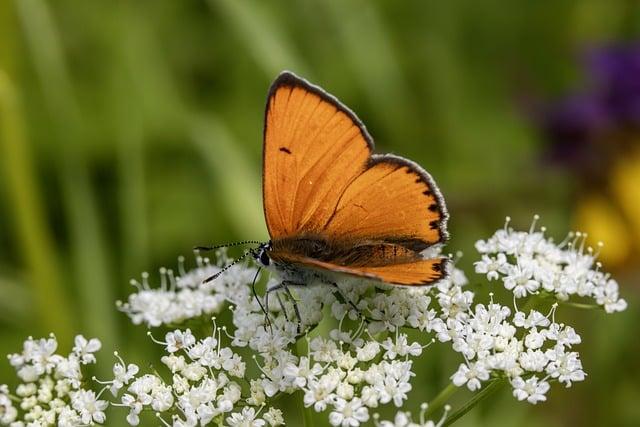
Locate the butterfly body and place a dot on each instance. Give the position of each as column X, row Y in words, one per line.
column 332, row 206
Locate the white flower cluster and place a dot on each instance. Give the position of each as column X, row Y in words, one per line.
column 529, row 263
column 364, row 362
column 184, row 297
column 203, row 385
column 526, row 347
column 52, row 390
column 355, row 368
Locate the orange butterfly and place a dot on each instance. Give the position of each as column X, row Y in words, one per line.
column 331, row 206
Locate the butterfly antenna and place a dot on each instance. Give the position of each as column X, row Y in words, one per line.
column 227, row 245
column 228, row 266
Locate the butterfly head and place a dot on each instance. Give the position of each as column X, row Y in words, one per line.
column 261, row 254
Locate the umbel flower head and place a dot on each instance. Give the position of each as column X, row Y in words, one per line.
column 233, row 373
column 53, row 389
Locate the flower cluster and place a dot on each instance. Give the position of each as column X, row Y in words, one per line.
column 525, row 346
column 202, row 386
column 186, row 296
column 53, row 388
column 231, row 374
column 363, row 363
column 529, row 263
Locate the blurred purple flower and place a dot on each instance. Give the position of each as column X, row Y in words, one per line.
column 578, row 125
column 616, row 74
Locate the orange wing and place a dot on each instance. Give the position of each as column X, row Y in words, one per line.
column 320, row 179
column 416, row 273
column 319, row 176
column 313, row 148
column 393, row 200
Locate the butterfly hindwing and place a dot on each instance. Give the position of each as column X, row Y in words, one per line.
column 414, row 273
column 395, row 200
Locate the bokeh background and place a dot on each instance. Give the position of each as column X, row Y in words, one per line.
column 131, row 131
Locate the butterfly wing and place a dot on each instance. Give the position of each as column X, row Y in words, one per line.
column 419, row 272
column 393, row 200
column 313, row 148
column 320, row 179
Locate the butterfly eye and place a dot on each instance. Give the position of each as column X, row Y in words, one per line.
column 264, row 258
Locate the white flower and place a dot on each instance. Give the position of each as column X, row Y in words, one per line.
column 323, row 350
column 566, row 367
column 400, row 347
column 245, row 419
column 300, row 373
column 533, row 360
column 491, row 266
column 368, row 351
column 8, row 412
column 274, row 417
column 470, row 375
column 319, row 392
column 122, row 375
column 84, row 348
column 178, row 340
column 534, row 340
column 520, row 280
column 532, row 390
column 88, row 406
column 348, row 413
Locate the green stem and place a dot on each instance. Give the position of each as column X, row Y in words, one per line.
column 581, row 305
column 441, row 399
column 477, row 398
column 306, row 413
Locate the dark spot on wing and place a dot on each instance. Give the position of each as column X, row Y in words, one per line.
column 285, row 150
column 437, row 267
column 433, row 207
column 433, row 225
column 426, row 193
column 361, row 207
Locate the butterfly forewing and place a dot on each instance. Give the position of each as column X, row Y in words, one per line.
column 312, row 151
column 321, row 184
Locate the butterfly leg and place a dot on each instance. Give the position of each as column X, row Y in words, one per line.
column 344, row 297
column 284, row 311
column 266, row 301
column 294, row 302
column 285, row 285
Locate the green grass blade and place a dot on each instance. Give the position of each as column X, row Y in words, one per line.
column 52, row 308
column 88, row 247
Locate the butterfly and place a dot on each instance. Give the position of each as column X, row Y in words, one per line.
column 332, row 207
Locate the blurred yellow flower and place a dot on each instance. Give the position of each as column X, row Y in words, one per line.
column 604, row 223
column 614, row 219
column 625, row 187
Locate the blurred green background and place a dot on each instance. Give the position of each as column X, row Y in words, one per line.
column 131, row 131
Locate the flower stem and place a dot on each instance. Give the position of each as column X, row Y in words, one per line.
column 300, row 349
column 581, row 305
column 477, row 398
column 441, row 399
column 307, row 414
